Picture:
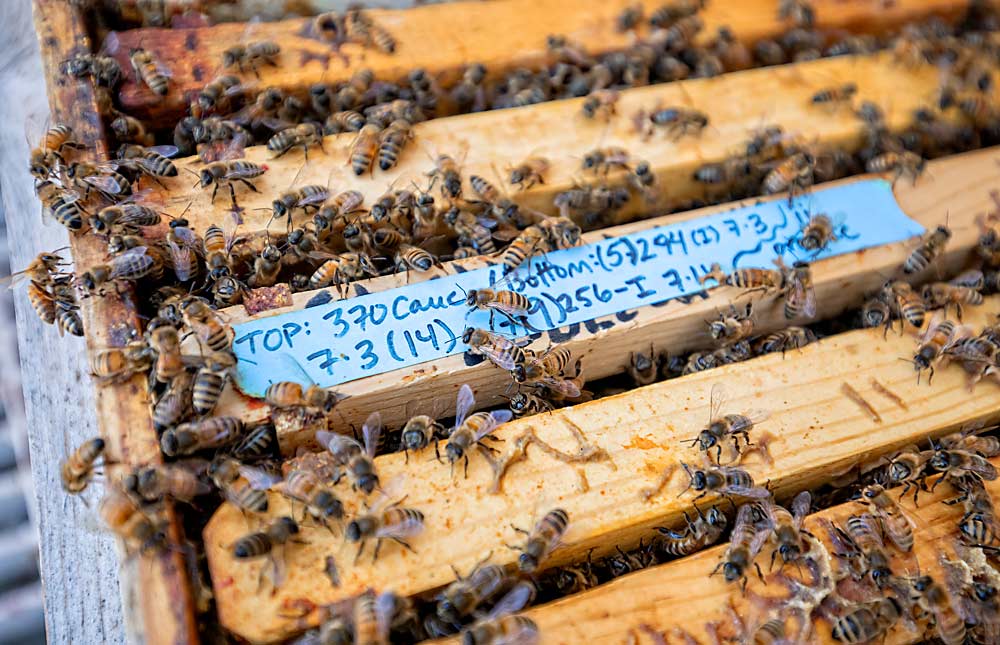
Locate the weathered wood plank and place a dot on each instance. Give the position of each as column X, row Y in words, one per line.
column 58, row 409
column 954, row 188
column 486, row 143
column 443, row 39
column 680, row 594
column 818, row 432
column 165, row 603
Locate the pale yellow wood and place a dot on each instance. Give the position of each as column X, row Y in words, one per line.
column 818, row 432
column 488, row 142
column 955, row 189
column 503, row 35
column 680, row 593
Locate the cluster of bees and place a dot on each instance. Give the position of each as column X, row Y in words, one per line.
column 184, row 277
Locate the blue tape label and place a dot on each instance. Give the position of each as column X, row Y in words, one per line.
column 343, row 340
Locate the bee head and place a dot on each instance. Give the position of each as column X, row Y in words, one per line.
column 170, row 445
column 732, row 571
column 527, row 563
column 471, row 297
column 520, row 373
column 368, row 482
column 467, row 335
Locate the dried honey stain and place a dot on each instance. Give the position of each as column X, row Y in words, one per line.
column 642, row 443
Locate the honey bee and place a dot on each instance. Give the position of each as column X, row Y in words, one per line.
column 302, row 135
column 894, row 522
column 175, row 403
column 165, row 342
column 384, row 522
column 131, row 130
column 877, row 311
column 745, row 542
column 371, row 618
column 448, row 171
column 47, row 157
column 978, row 526
column 753, row 279
column 123, row 516
column 470, row 93
column 227, row 173
column 150, row 71
column 721, row 428
column 976, row 355
column 866, row 623
column 207, row 324
column 546, row 369
column 195, row 436
column 278, row 533
column 462, row 597
column 62, row 204
column 968, row 439
column 307, row 198
column 131, row 265
column 793, row 173
column 252, row 55
column 118, row 364
column 956, row 463
column 787, row 527
column 500, row 350
column 258, row 444
column 900, row 164
column 408, row 256
column 392, row 141
column 929, row 249
column 291, row 395
column 500, row 625
column 817, row 234
column 642, row 179
column 178, row 482
column 907, row 467
column 357, row 459
column 123, row 217
column 682, row 32
column 643, row 368
column 77, row 469
column 528, row 403
column 511, row 305
column 905, row 302
column 944, row 294
column 210, row 379
column 725, row 481
column 600, row 104
column 529, row 172
column 104, row 178
column 67, row 311
column 733, row 326
column 865, row 533
column 629, row 18
column 933, row 598
column 341, row 270
column 304, row 486
column 603, row 160
column 344, row 121
column 839, row 95
column 105, row 70
column 800, row 298
column 786, row 339
column 706, row 529
column 541, row 540
column 470, row 429
column 153, row 161
column 677, row 121
column 242, row 486
column 364, row 150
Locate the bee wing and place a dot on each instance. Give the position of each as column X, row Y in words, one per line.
column 807, row 296
column 464, row 404
column 716, row 399
column 230, row 224
column 800, row 505
column 165, row 151
column 105, row 183
column 259, row 479
column 408, row 528
column 759, row 538
column 744, row 516
column 497, row 418
column 500, row 359
column 183, row 260
column 566, row 387
column 317, row 198
column 371, row 431
column 972, row 278
column 932, row 326
column 385, row 607
column 756, row 415
column 519, row 597
column 983, row 468
column 336, row 443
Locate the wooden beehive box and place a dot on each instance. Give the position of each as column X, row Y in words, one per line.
column 820, row 433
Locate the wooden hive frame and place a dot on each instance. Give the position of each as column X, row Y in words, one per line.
column 167, row 606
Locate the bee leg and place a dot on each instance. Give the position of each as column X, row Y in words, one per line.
column 406, row 544
column 361, row 548
column 519, row 531
column 215, row 191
